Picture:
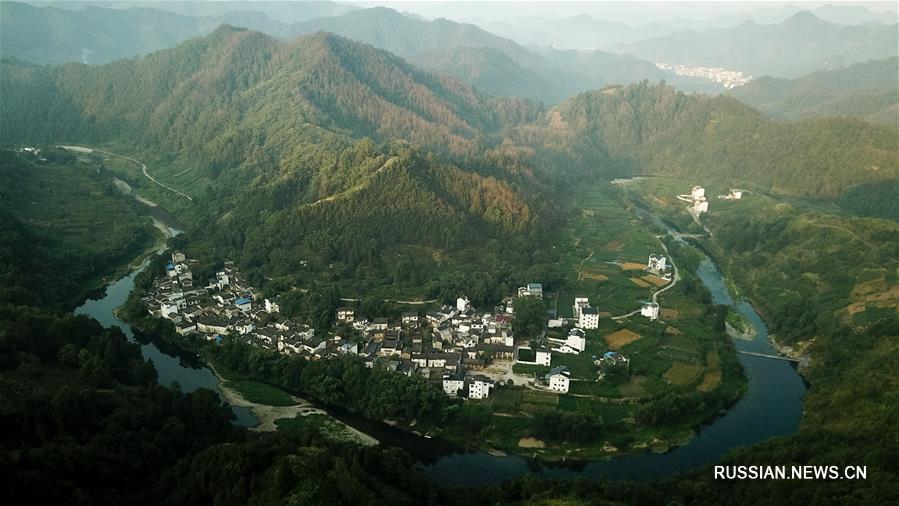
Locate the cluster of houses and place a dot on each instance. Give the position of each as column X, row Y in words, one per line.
column 453, row 343
column 226, row 304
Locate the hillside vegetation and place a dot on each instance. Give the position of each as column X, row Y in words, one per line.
column 864, row 90
column 653, row 129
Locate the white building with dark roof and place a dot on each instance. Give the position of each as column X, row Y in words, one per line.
column 559, row 379
column 589, row 318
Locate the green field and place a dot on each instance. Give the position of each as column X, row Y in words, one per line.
column 600, row 234
column 260, row 393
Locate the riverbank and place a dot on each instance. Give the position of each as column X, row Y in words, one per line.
column 269, row 415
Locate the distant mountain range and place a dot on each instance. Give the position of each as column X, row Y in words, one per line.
column 865, row 90
column 800, row 45
column 593, row 31
column 214, row 100
column 493, row 64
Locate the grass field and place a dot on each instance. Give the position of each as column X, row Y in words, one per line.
column 600, row 236
column 681, row 373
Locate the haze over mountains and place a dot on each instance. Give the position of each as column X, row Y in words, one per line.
column 491, row 63
column 867, row 90
column 800, row 45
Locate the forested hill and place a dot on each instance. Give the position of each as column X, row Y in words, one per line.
column 96, row 35
column 864, row 90
column 653, row 129
column 493, row 64
column 406, row 36
column 212, row 98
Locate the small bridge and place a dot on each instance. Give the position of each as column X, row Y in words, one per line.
column 764, row 355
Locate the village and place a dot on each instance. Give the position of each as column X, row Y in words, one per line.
column 467, row 350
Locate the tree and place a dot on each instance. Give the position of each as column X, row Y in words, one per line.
column 530, row 316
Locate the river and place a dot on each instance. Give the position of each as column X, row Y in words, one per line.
column 771, row 407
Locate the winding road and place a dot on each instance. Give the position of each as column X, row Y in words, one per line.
column 83, row 149
column 655, row 295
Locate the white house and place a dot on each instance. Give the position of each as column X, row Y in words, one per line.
column 575, row 342
column 479, row 388
column 589, row 318
column 272, row 307
column 410, row 318
column 462, row 304
column 577, row 339
column 349, row 348
column 346, row 314
column 657, row 264
column 177, row 257
column 733, row 195
column 558, row 379
column 697, row 193
column 579, row 304
column 244, row 303
column 532, row 290
column 544, row 357
column 186, row 327
column 166, row 310
column 700, row 207
column 650, row 310
column 244, row 327
column 452, row 384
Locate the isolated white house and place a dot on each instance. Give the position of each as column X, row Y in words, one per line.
column 700, row 207
column 650, row 310
column 272, row 307
column 462, row 304
column 657, row 264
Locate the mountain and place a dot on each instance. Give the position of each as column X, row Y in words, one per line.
column 494, row 72
column 577, row 32
column 653, row 129
column 864, row 90
column 236, row 82
column 800, row 45
column 493, row 64
column 285, row 12
column 407, row 36
column 277, row 131
column 94, row 35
